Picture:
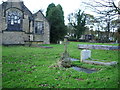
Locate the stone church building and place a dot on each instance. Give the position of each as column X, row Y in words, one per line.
column 18, row 26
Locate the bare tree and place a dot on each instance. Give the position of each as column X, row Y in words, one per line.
column 103, row 6
column 107, row 10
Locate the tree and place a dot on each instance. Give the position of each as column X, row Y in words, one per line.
column 55, row 16
column 50, row 6
column 116, row 24
column 78, row 21
column 90, row 19
column 70, row 31
column 107, row 9
column 104, row 6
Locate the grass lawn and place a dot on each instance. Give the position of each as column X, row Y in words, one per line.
column 30, row 67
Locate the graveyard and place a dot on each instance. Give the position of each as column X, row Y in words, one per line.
column 38, row 67
column 59, row 44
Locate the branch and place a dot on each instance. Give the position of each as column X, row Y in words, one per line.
column 117, row 9
column 108, row 4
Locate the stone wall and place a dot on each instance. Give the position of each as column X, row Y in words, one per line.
column 38, row 37
column 15, row 37
column 26, row 25
column 46, row 36
column 0, row 24
column 10, row 37
column 0, row 38
column 47, row 33
column 13, row 4
column 0, row 17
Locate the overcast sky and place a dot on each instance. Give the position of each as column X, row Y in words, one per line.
column 68, row 6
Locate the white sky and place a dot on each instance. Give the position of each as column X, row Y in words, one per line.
column 68, row 6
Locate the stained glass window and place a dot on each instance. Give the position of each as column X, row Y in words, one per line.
column 14, row 21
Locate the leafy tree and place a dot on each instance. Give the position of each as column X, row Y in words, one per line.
column 52, row 5
column 55, row 16
column 78, row 21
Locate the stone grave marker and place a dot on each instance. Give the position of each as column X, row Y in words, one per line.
column 85, row 54
column 65, row 59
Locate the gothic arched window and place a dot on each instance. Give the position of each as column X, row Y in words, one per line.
column 14, row 20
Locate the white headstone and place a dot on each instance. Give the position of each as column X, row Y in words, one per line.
column 85, row 54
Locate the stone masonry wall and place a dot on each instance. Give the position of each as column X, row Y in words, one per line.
column 14, row 37
column 0, row 24
column 19, row 37
column 38, row 37
column 47, row 33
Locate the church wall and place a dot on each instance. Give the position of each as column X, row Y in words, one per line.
column 0, row 24
column 14, row 37
column 38, row 37
column 13, row 4
column 31, row 27
column 26, row 24
column 21, row 37
column 46, row 34
column 0, row 18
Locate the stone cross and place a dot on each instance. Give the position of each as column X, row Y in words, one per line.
column 65, row 57
column 65, row 44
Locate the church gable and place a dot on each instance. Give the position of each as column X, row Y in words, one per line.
column 19, row 25
column 39, row 16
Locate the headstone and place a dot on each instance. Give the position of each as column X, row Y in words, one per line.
column 85, row 54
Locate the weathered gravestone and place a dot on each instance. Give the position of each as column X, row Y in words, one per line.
column 104, row 47
column 65, row 59
column 85, row 54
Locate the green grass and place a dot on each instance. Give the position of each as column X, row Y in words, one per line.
column 30, row 67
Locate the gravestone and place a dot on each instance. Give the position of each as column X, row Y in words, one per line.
column 85, row 54
column 65, row 59
column 104, row 47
